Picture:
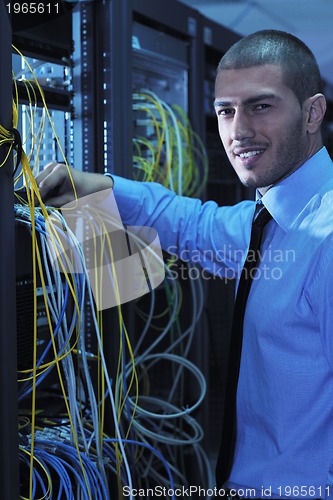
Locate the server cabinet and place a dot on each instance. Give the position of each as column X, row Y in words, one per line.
column 167, row 61
column 162, row 65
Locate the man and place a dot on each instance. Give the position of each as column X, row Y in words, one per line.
column 269, row 105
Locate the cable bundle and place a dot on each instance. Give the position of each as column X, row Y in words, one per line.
column 169, row 152
column 142, row 435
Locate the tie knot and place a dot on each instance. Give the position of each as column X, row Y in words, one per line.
column 261, row 216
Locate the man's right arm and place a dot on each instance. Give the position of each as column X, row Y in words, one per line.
column 203, row 233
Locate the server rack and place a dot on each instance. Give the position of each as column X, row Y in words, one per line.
column 47, row 48
column 172, row 45
column 148, row 30
column 185, row 23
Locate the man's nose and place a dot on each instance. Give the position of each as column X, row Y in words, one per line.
column 242, row 127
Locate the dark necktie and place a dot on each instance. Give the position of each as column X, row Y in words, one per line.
column 226, row 454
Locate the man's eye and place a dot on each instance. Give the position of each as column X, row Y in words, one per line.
column 262, row 106
column 224, row 112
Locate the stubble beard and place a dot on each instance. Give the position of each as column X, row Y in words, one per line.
column 290, row 154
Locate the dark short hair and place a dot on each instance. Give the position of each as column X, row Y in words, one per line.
column 299, row 66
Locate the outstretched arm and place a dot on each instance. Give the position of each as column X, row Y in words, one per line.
column 56, row 182
column 215, row 237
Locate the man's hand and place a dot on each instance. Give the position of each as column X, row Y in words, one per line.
column 56, row 187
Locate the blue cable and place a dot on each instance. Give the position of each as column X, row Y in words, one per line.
column 93, row 473
column 23, row 457
column 78, row 286
column 46, row 350
column 153, row 450
column 65, row 483
column 60, row 466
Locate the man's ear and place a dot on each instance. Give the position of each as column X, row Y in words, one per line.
column 315, row 108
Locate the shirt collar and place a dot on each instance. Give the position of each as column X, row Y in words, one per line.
column 287, row 199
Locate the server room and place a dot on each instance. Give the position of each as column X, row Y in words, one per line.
column 166, row 294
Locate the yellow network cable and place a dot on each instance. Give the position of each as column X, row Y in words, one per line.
column 196, row 149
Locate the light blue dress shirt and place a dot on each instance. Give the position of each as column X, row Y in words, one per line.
column 285, row 391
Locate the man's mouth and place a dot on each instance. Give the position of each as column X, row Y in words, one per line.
column 248, row 154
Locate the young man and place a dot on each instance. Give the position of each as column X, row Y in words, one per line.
column 269, row 105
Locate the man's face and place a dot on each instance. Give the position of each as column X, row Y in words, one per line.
column 261, row 124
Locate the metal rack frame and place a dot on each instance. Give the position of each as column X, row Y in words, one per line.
column 9, row 451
